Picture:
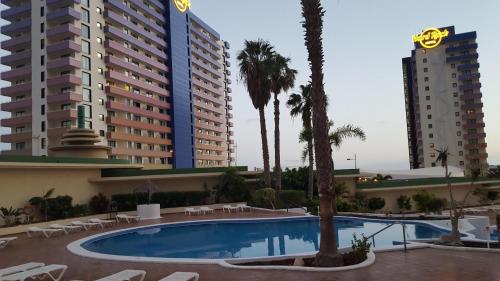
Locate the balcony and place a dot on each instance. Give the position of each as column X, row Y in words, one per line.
column 17, row 74
column 112, row 75
column 137, row 111
column 68, row 97
column 115, row 61
column 221, row 138
column 476, row 116
column 471, row 96
column 473, row 86
column 209, row 147
column 117, row 33
column 152, row 12
column 475, row 136
column 202, row 125
column 62, row 48
column 64, row 64
column 472, row 76
column 16, row 27
column 62, row 115
column 109, row 15
column 16, row 89
column 470, row 66
column 16, row 137
column 474, row 106
column 462, row 58
column 64, row 80
column 114, row 46
column 461, row 48
column 63, row 31
column 476, row 146
column 16, row 105
column 16, row 121
column 118, row 4
column 207, row 77
column 16, row 58
column 206, row 57
column 114, row 91
column 145, row 140
column 140, row 152
column 61, row 3
column 63, row 15
column 138, row 125
column 13, row 13
column 23, row 41
column 479, row 125
column 207, row 38
column 476, row 156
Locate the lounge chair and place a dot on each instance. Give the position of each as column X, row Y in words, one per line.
column 206, row 210
column 126, row 275
column 19, row 268
column 189, row 211
column 47, row 232
column 229, row 208
column 67, row 228
column 127, row 218
column 243, row 207
column 6, row 240
column 86, row 225
column 182, row 276
column 102, row 222
column 53, row 271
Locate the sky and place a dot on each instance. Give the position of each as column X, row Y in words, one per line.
column 364, row 43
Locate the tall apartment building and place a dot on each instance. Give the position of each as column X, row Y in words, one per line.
column 149, row 76
column 443, row 100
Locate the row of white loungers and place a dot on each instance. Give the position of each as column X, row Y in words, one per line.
column 206, row 210
column 4, row 241
column 78, row 226
column 36, row 270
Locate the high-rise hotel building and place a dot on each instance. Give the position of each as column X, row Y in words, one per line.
column 148, row 75
column 443, row 100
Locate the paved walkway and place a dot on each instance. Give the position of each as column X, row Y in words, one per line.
column 416, row 265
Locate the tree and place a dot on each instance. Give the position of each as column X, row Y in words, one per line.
column 301, row 104
column 404, row 203
column 42, row 202
column 313, row 13
column 380, row 177
column 232, row 187
column 376, row 203
column 256, row 62
column 340, row 134
column 454, row 237
column 282, row 79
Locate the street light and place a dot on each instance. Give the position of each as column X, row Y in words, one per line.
column 355, row 161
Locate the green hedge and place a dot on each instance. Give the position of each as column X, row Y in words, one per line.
column 292, row 198
column 129, row 202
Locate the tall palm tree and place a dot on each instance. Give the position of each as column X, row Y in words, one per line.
column 313, row 13
column 301, row 104
column 255, row 62
column 340, row 134
column 442, row 157
column 282, row 79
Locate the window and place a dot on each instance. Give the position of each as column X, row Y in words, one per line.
column 101, row 101
column 452, row 65
column 462, row 163
column 460, row 153
column 431, row 136
column 429, row 126
column 86, row 3
column 424, row 60
column 43, row 126
column 87, row 94
column 65, row 106
column 42, row 76
column 43, row 143
column 85, row 47
column 42, row 44
column 99, row 40
column 427, row 88
column 457, row 113
column 20, row 145
column 42, row 27
column 459, row 133
column 102, row 133
column 100, row 86
column 456, row 104
column 428, row 107
column 101, row 117
column 42, row 11
column 42, row 93
column 99, row 55
column 460, row 143
column 88, row 111
column 85, row 16
column 426, row 79
column 85, row 31
column 85, row 63
column 66, row 124
column 426, row 69
column 431, row 145
column 455, row 95
column 99, row 25
column 453, row 75
column 86, row 79
column 458, row 124
column 42, row 109
column 429, row 116
column 99, row 10
column 42, row 60
column 433, row 155
column 88, row 124
column 100, row 71
column 454, row 85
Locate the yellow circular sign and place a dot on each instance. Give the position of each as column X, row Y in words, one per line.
column 431, row 37
column 182, row 5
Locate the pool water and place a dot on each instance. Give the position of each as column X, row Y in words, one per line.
column 247, row 238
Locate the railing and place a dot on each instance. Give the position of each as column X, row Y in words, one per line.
column 372, row 237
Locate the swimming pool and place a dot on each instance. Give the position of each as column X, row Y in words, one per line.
column 242, row 238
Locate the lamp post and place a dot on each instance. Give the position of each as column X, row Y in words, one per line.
column 355, row 161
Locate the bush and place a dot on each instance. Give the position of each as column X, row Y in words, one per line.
column 375, row 203
column 360, row 249
column 436, row 205
column 99, row 204
column 129, row 201
column 59, row 207
column 10, row 216
column 427, row 202
column 232, row 187
column 79, row 210
column 180, row 199
column 312, row 206
column 292, row 198
column 404, row 203
column 264, row 198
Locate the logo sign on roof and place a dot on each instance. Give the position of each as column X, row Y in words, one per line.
column 431, row 37
column 182, row 5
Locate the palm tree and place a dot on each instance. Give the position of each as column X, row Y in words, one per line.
column 313, row 13
column 380, row 177
column 340, row 134
column 301, row 104
column 282, row 79
column 442, row 157
column 256, row 61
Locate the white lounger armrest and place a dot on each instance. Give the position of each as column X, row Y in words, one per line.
column 19, row 268
column 125, row 275
column 182, row 276
column 48, row 270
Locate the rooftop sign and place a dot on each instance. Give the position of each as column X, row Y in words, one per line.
column 430, row 37
column 182, row 5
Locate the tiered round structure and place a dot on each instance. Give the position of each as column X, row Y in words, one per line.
column 78, row 142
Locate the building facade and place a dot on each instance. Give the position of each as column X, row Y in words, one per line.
column 443, row 100
column 150, row 77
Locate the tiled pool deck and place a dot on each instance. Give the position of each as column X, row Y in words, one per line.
column 416, row 265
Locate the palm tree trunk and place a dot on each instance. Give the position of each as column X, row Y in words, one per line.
column 310, row 182
column 454, row 216
column 277, row 160
column 265, row 148
column 313, row 24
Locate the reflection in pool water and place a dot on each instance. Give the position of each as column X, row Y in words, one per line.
column 246, row 238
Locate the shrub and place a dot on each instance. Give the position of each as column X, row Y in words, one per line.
column 264, row 198
column 312, row 206
column 360, row 249
column 436, row 205
column 59, row 207
column 232, row 187
column 99, row 204
column 79, row 210
column 180, row 199
column 292, row 198
column 404, row 203
column 129, row 201
column 422, row 199
column 10, row 216
column 375, row 203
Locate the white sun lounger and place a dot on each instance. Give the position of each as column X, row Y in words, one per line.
column 189, row 211
column 102, row 222
column 47, row 232
column 53, row 271
column 243, row 207
column 86, row 225
column 126, row 275
column 229, row 208
column 206, row 210
column 127, row 218
column 66, row 228
column 19, row 268
column 182, row 276
column 6, row 240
